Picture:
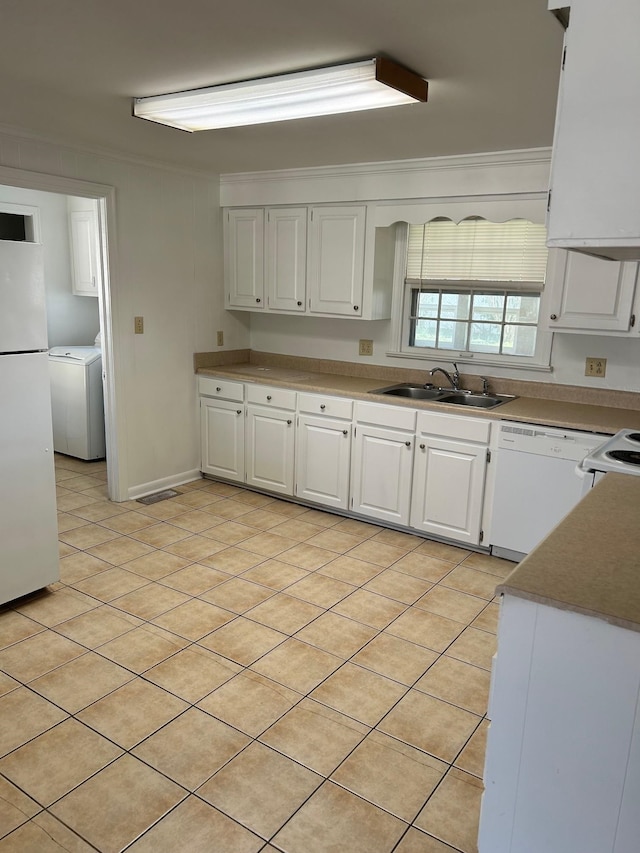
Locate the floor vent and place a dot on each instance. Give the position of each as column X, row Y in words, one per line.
column 158, row 496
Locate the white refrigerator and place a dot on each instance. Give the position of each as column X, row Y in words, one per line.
column 28, row 519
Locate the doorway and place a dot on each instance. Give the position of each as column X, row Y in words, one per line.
column 90, row 313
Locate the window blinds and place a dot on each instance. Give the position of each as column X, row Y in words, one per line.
column 477, row 250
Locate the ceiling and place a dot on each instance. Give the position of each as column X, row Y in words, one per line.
column 69, row 68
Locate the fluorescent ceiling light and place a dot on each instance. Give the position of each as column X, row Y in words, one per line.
column 364, row 85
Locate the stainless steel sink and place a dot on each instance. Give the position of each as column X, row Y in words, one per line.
column 414, row 392
column 478, row 401
column 444, row 395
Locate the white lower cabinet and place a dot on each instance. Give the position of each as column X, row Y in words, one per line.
column 222, row 438
column 270, row 438
column 562, row 770
column 323, row 449
column 382, row 462
column 449, row 476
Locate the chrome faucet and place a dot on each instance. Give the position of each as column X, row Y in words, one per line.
column 454, row 379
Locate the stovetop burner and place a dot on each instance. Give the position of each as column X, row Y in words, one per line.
column 634, row 436
column 629, row 457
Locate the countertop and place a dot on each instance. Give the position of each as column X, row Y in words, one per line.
column 590, row 563
column 591, row 418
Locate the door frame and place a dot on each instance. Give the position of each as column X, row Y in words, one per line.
column 105, row 196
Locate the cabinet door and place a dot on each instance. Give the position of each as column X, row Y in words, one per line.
column 323, row 454
column 270, row 449
column 448, row 488
column 286, row 258
column 222, row 438
column 381, row 473
column 335, row 260
column 244, row 258
column 589, row 294
column 85, row 252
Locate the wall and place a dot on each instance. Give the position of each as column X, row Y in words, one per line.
column 167, row 267
column 71, row 320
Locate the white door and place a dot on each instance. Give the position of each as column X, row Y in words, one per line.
column 381, row 473
column 335, row 260
column 448, row 488
column 323, row 454
column 222, row 439
column 28, row 523
column 244, row 258
column 286, row 258
column 269, row 445
column 590, row 294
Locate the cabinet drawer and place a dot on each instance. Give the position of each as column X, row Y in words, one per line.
column 265, row 395
column 386, row 416
column 452, row 426
column 317, row 404
column 210, row 386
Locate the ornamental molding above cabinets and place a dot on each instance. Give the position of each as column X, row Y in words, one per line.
column 503, row 172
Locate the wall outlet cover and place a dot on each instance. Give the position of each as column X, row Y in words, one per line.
column 365, row 347
column 138, row 325
column 595, row 367
column 220, row 338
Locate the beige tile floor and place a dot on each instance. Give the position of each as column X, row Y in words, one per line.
column 229, row 673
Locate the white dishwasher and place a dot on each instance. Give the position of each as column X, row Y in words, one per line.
column 536, row 484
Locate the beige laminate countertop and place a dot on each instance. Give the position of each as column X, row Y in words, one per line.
column 590, row 563
column 556, row 413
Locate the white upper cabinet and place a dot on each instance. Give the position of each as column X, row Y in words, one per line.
column 85, row 251
column 285, row 258
column 595, row 176
column 244, row 258
column 590, row 295
column 327, row 261
column 335, row 261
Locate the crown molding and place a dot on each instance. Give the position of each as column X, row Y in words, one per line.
column 522, row 171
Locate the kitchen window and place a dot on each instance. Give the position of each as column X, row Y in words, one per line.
column 473, row 290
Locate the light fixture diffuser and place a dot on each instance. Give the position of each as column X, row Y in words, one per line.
column 364, row 85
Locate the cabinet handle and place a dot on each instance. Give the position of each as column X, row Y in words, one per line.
column 553, row 317
column 268, row 398
column 356, row 307
column 322, row 406
column 299, row 303
column 238, row 411
column 408, row 443
column 289, row 423
column 422, row 446
column 218, row 389
column 258, row 299
column 345, row 432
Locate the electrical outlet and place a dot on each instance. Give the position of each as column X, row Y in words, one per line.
column 220, row 338
column 366, row 347
column 595, row 367
column 138, row 325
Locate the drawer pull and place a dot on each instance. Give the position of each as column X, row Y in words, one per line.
column 408, row 443
column 238, row 411
column 345, row 432
column 322, row 406
column 218, row 389
column 422, row 446
column 289, row 423
column 268, row 398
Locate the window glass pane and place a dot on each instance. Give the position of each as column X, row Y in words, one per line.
column 488, row 306
column 485, row 337
column 523, row 308
column 424, row 333
column 519, row 340
column 455, row 306
column 453, row 335
column 428, row 304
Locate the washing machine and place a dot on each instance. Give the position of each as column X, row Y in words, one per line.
column 77, row 401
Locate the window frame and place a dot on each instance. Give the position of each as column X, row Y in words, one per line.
column 401, row 317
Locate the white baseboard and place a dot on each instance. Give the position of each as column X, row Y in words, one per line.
column 144, row 489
